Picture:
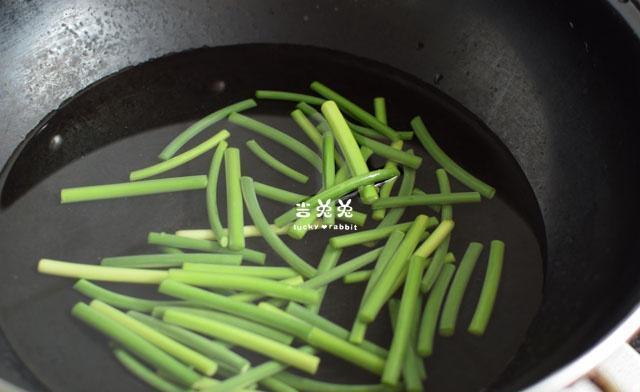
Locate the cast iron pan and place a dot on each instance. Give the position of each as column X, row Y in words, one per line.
column 559, row 146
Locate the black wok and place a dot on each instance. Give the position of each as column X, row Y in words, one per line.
column 557, row 82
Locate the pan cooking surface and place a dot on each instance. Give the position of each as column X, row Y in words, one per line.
column 122, row 122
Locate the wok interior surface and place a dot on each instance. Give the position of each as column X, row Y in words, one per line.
column 121, row 124
column 557, row 81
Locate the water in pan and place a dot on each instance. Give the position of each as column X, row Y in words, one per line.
column 122, row 122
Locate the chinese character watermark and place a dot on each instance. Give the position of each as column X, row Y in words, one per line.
column 344, row 209
column 302, row 210
column 323, row 210
column 326, row 209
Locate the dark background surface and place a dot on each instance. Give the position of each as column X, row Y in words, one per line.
column 558, row 82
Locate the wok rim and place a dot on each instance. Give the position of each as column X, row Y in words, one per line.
column 587, row 361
